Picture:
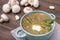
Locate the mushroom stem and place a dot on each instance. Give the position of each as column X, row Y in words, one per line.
column 1, row 20
column 36, row 3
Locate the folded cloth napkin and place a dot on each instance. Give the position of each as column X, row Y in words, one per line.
column 55, row 35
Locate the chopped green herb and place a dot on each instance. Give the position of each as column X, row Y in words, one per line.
column 48, row 22
column 28, row 20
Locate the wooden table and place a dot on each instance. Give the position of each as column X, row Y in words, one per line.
column 5, row 28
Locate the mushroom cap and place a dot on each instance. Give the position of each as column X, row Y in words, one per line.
column 23, row 2
column 13, row 2
column 15, row 8
column 6, row 8
column 27, row 9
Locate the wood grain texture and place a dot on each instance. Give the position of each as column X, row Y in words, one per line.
column 5, row 28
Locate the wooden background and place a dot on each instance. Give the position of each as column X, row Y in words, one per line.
column 5, row 28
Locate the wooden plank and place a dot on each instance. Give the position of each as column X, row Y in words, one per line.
column 56, row 2
column 5, row 28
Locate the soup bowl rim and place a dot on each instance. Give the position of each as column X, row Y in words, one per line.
column 34, row 34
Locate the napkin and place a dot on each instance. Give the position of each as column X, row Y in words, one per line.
column 55, row 35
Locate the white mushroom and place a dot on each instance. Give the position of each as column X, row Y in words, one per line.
column 23, row 2
column 14, row 5
column 13, row 2
column 51, row 7
column 27, row 9
column 4, row 18
column 17, row 17
column 6, row 8
column 15, row 8
column 36, row 3
column 31, row 2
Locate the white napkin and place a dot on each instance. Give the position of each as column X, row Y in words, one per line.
column 55, row 35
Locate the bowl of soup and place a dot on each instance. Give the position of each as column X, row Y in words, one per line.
column 36, row 25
